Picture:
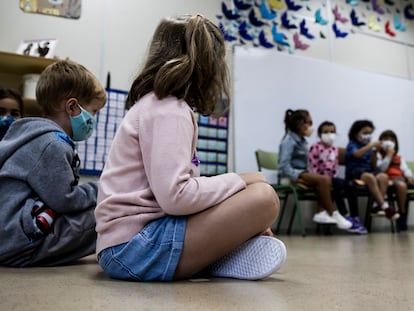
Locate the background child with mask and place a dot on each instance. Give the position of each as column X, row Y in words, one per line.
column 393, row 164
column 324, row 159
column 11, row 108
column 47, row 217
column 360, row 164
column 293, row 164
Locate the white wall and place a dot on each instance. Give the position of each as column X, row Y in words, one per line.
column 109, row 36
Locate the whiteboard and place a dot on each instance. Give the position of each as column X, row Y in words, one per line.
column 266, row 83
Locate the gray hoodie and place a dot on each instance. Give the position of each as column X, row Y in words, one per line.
column 38, row 161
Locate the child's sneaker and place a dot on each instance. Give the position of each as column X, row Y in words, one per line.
column 358, row 226
column 376, row 210
column 324, row 218
column 391, row 213
column 341, row 222
column 255, row 259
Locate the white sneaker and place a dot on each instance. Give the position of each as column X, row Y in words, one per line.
column 323, row 218
column 255, row 259
column 341, row 221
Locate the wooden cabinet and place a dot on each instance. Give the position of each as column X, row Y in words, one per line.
column 12, row 69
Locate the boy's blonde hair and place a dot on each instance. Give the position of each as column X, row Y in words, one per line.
column 186, row 59
column 63, row 80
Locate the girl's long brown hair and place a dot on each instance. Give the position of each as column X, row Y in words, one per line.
column 186, row 59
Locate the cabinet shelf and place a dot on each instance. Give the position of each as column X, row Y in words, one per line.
column 12, row 69
column 22, row 64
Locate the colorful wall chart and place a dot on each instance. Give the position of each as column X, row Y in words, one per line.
column 211, row 148
column 289, row 25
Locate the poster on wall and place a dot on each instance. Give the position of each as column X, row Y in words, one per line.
column 38, row 48
column 298, row 25
column 62, row 8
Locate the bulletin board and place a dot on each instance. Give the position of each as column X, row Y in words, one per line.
column 212, row 144
column 212, row 140
column 267, row 83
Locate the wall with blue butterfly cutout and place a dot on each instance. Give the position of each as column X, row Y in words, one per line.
column 300, row 25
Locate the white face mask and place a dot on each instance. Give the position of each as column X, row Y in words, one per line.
column 328, row 138
column 366, row 138
column 387, row 144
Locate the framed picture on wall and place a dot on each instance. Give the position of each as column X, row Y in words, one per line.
column 39, row 48
column 62, row 8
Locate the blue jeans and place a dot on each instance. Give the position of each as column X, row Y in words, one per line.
column 151, row 255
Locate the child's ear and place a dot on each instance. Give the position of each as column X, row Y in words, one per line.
column 71, row 106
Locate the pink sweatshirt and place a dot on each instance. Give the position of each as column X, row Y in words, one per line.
column 149, row 172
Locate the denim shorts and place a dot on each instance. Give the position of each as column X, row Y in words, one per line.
column 152, row 255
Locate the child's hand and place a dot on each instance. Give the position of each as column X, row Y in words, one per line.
column 410, row 181
column 376, row 144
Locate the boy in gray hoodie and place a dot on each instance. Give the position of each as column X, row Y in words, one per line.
column 47, row 217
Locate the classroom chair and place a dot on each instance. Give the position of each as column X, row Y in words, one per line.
column 269, row 160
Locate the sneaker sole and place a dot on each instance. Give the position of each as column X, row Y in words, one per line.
column 255, row 259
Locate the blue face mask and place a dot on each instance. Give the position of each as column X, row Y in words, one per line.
column 5, row 122
column 83, row 125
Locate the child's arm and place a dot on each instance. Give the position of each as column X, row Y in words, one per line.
column 53, row 180
column 364, row 149
column 285, row 157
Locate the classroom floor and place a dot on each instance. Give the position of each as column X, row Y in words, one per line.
column 339, row 272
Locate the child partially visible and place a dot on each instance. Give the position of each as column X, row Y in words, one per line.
column 11, row 109
column 293, row 164
column 361, row 164
column 394, row 165
column 324, row 159
column 47, row 216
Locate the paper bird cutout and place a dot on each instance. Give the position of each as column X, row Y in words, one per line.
column 408, row 12
column 277, row 4
column 373, row 25
column 254, row 20
column 286, row 23
column 376, row 7
column 299, row 45
column 352, row 2
column 292, row 6
column 322, row 35
column 337, row 15
column 265, row 12
column 229, row 14
column 355, row 20
column 263, row 40
column 240, row 5
column 338, row 33
column 398, row 25
column 388, row 31
column 389, row 2
column 227, row 36
column 243, row 31
column 319, row 19
column 279, row 37
column 304, row 31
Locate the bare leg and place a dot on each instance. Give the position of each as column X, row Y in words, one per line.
column 218, row 230
column 323, row 185
column 372, row 185
column 401, row 189
column 382, row 180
